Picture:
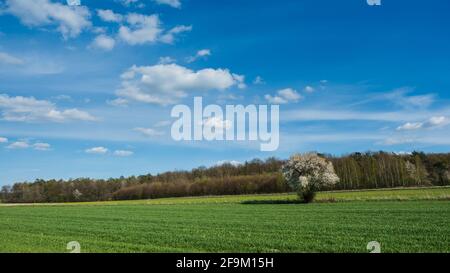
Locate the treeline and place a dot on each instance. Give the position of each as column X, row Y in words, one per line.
column 356, row 171
column 387, row 170
column 255, row 176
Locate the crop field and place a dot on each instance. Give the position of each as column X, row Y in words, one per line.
column 401, row 220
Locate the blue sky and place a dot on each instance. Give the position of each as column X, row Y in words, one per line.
column 357, row 78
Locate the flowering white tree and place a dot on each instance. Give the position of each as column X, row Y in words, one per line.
column 307, row 173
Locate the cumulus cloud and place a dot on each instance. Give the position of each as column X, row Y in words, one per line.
column 309, row 89
column 24, row 144
column 6, row 58
column 26, row 109
column 70, row 21
column 123, row 153
column 108, row 15
column 41, row 146
column 103, row 42
column 19, row 145
column 410, row 126
column 3, row 140
column 168, row 83
column 141, row 29
column 284, row 96
column 200, row 54
column 97, row 150
column 433, row 122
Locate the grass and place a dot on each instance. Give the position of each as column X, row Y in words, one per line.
column 420, row 223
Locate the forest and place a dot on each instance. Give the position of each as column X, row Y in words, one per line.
column 369, row 170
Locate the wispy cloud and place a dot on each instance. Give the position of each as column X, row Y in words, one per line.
column 149, row 132
column 6, row 58
column 200, row 54
column 433, row 122
column 123, row 153
column 97, row 150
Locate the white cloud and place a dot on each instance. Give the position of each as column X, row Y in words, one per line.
column 69, row 20
column 437, row 122
column 108, row 15
column 309, row 89
column 167, row 84
column 433, row 122
column 200, row 54
column 142, row 29
column 284, row 96
column 63, row 98
column 27, row 109
column 259, row 80
column 169, row 36
column 149, row 132
column 129, row 3
column 24, row 144
column 215, row 122
column 410, row 126
column 19, row 145
column 166, row 60
column 118, row 102
column 240, row 79
column 289, row 94
column 41, row 146
column 103, row 42
column 3, row 140
column 6, row 58
column 232, row 162
column 275, row 99
column 172, row 3
column 97, row 150
column 123, row 153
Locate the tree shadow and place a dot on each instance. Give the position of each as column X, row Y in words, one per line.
column 272, row 202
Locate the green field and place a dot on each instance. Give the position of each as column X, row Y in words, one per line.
column 402, row 220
